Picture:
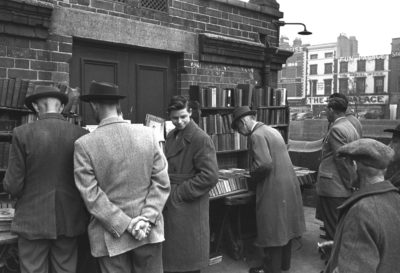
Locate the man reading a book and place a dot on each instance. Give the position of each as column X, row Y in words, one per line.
column 121, row 173
column 279, row 206
column 49, row 211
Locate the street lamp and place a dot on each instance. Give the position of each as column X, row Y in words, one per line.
column 304, row 32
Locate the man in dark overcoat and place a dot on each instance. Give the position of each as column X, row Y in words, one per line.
column 193, row 171
column 49, row 213
column 279, row 206
column 393, row 171
column 367, row 237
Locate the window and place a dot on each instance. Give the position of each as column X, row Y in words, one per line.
column 313, row 56
column 378, row 84
column 328, row 68
column 379, row 64
column 328, row 54
column 313, row 87
column 360, row 85
column 360, row 65
column 313, row 69
column 344, row 67
column 328, row 87
column 343, row 85
column 160, row 5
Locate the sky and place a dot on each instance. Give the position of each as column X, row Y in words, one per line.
column 373, row 23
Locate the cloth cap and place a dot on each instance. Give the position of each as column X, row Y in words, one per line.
column 395, row 131
column 240, row 112
column 337, row 103
column 369, row 152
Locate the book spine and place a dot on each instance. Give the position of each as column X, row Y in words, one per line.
column 10, row 91
column 16, row 92
column 4, row 89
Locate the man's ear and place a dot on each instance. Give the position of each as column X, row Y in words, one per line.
column 35, row 106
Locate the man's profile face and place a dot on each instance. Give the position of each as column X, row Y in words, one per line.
column 329, row 114
column 395, row 145
column 180, row 118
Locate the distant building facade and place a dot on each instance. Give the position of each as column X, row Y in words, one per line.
column 394, row 79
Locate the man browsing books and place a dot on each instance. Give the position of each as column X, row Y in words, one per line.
column 122, row 176
column 279, row 207
column 49, row 213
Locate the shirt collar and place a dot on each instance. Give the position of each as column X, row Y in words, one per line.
column 51, row 115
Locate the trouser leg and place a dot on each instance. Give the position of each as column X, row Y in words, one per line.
column 64, row 255
column 33, row 255
column 119, row 263
column 147, row 259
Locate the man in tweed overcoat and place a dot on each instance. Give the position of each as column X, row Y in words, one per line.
column 121, row 173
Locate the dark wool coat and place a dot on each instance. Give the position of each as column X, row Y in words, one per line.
column 279, row 205
column 41, row 176
column 193, row 170
column 367, row 237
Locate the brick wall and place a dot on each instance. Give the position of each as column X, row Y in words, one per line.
column 38, row 60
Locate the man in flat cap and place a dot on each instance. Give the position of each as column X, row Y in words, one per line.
column 49, row 213
column 393, row 170
column 121, row 173
column 367, row 237
column 335, row 175
column 279, row 206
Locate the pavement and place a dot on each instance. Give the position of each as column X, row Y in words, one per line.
column 305, row 257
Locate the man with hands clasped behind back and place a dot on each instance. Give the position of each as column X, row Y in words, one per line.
column 122, row 176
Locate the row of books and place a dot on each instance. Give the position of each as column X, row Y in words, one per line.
column 305, row 176
column 230, row 181
column 13, row 92
column 272, row 116
column 6, row 217
column 212, row 96
column 4, row 152
column 216, row 124
column 269, row 97
column 243, row 94
column 229, row 142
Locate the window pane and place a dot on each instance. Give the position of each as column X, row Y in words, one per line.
column 343, row 67
column 313, row 69
column 379, row 84
column 328, row 68
column 329, row 55
column 313, row 56
column 360, row 85
column 328, row 87
column 379, row 64
column 360, row 65
column 343, row 85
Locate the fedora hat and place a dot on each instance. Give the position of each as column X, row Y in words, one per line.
column 240, row 112
column 102, row 91
column 395, row 131
column 42, row 91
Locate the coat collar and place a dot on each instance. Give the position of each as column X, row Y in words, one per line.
column 182, row 138
column 112, row 120
column 258, row 125
column 51, row 116
column 374, row 189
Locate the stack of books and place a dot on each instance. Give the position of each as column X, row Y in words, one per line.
column 230, row 181
column 6, row 217
column 13, row 92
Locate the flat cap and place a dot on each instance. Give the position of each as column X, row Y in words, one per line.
column 369, row 152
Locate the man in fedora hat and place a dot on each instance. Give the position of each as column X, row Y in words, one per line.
column 393, row 170
column 49, row 212
column 367, row 237
column 279, row 206
column 122, row 175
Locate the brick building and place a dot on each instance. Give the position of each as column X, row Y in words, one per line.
column 394, row 79
column 151, row 48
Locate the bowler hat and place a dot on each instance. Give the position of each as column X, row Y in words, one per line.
column 395, row 131
column 42, row 91
column 368, row 151
column 240, row 112
column 102, row 91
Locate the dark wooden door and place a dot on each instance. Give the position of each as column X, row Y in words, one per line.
column 147, row 78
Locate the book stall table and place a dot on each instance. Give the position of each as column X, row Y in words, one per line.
column 8, row 242
column 233, row 213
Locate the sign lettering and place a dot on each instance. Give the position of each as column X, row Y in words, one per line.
column 363, row 99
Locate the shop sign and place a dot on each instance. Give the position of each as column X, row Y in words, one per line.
column 365, row 99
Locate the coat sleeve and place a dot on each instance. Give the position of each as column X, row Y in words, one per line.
column 346, row 170
column 206, row 167
column 359, row 250
column 160, row 186
column 261, row 157
column 110, row 216
column 15, row 175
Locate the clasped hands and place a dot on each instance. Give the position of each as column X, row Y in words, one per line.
column 139, row 227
